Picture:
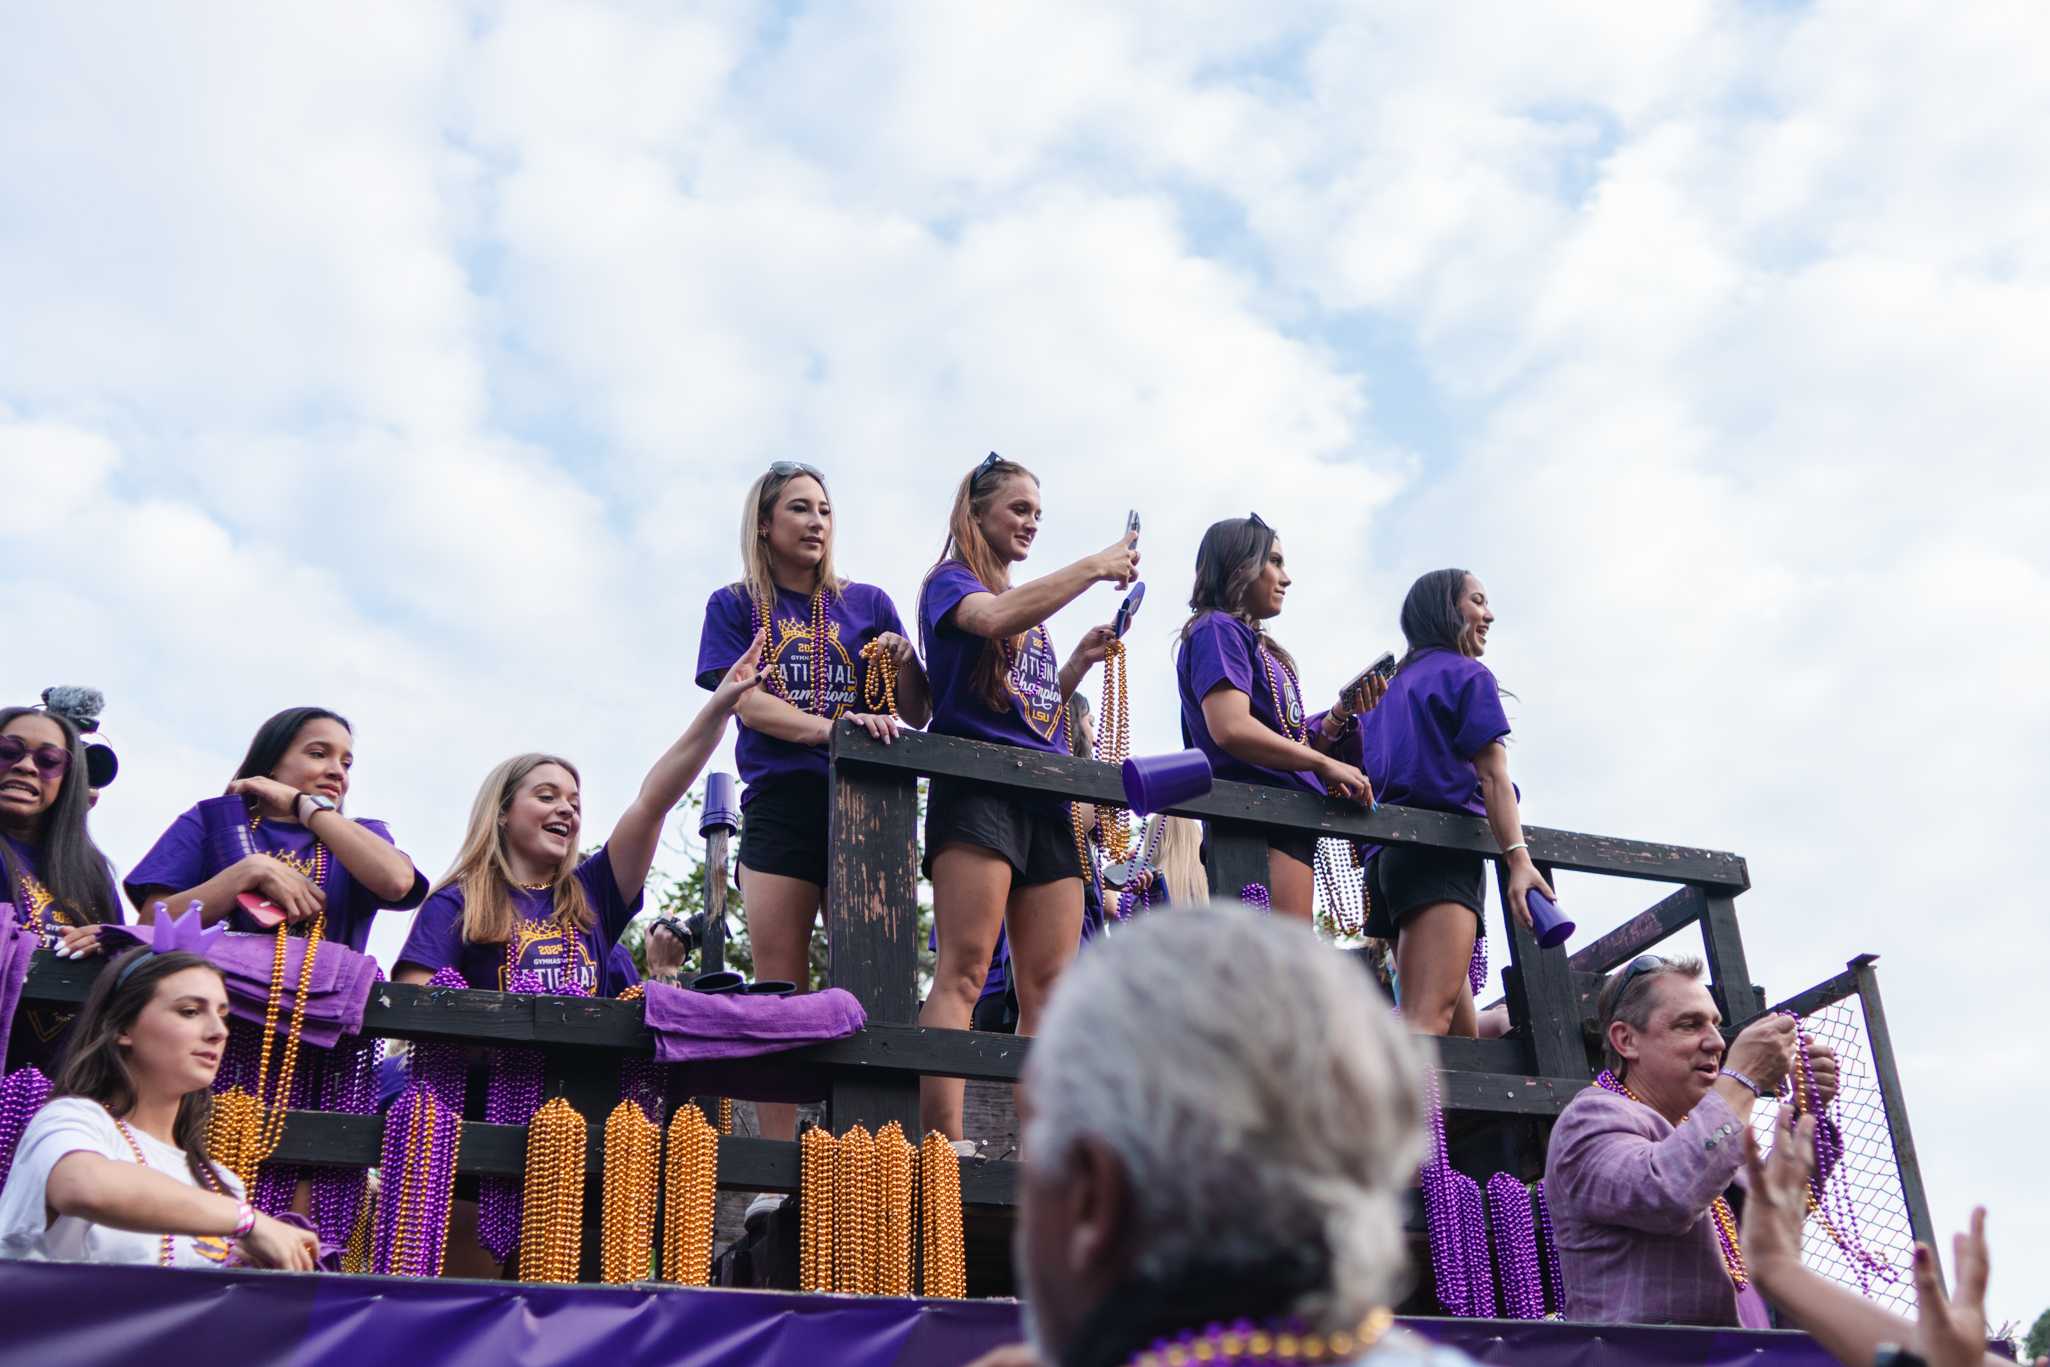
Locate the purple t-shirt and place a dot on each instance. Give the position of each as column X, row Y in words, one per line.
column 538, row 946
column 29, row 890
column 1419, row 744
column 854, row 617
column 1037, row 716
column 1223, row 652
column 212, row 835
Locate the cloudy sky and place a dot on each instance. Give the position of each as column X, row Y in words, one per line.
column 411, row 360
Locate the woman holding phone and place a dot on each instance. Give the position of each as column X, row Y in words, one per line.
column 1436, row 741
column 1241, row 704
column 278, row 846
column 831, row 647
column 1001, row 862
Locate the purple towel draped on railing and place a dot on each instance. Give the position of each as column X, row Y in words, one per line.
column 697, row 1027
column 335, row 998
column 17, row 943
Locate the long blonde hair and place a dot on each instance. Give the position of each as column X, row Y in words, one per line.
column 1175, row 847
column 966, row 543
column 757, row 580
column 484, row 872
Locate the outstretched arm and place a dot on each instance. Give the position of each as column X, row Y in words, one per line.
column 632, row 846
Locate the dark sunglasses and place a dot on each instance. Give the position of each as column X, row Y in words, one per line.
column 791, row 469
column 1643, row 963
column 1258, row 521
column 52, row 761
column 989, row 463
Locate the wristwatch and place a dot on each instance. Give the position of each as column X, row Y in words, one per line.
column 1742, row 1081
column 320, row 804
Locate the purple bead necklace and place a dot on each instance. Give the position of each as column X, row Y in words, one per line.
column 1516, row 1255
column 421, row 1141
column 1828, row 1199
column 1555, row 1285
column 1255, row 895
column 22, row 1094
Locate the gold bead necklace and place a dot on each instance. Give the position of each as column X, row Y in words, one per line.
column 944, row 1255
column 1113, row 746
column 690, row 1191
column 772, row 669
column 879, row 679
column 1267, row 1345
column 817, row 1155
column 854, row 1214
column 893, row 1184
column 552, row 1218
column 627, row 1217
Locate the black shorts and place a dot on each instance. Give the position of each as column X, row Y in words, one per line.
column 1036, row 836
column 1404, row 879
column 1300, row 846
column 783, row 827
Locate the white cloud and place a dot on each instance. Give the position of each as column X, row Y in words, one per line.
column 412, row 362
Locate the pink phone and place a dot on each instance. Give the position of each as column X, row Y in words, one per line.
column 262, row 910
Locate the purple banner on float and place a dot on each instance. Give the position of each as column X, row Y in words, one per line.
column 83, row 1316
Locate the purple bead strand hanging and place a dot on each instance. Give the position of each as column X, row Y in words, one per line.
column 1441, row 1210
column 1555, row 1285
column 512, row 1098
column 1255, row 895
column 1516, row 1255
column 418, row 1186
column 22, row 1094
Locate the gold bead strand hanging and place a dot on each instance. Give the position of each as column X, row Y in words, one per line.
column 879, row 679
column 893, row 1183
column 552, row 1218
column 271, row 1116
column 628, row 1214
column 690, row 1189
column 817, row 1157
column 1115, row 734
column 945, row 1263
column 854, row 1213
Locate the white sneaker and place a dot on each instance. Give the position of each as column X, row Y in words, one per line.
column 763, row 1207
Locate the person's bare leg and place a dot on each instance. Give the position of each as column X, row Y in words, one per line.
column 781, row 913
column 1431, row 960
column 1291, row 886
column 1044, row 922
column 969, row 888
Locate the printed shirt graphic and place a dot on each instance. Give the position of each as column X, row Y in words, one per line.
column 538, row 946
column 855, row 615
column 1036, row 718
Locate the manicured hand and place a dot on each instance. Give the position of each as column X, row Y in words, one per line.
column 274, row 801
column 1345, row 780
column 78, row 942
column 1365, row 698
column 1950, row 1331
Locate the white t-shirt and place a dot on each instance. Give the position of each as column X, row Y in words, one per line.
column 69, row 1125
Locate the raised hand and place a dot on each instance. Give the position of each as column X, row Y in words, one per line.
column 274, row 801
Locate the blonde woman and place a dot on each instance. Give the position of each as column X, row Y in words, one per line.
column 520, row 900
column 996, row 861
column 826, row 646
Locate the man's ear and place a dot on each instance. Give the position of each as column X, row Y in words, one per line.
column 1101, row 1214
column 1623, row 1040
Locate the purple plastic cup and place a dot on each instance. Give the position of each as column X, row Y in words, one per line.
column 1156, row 782
column 1547, row 922
column 722, row 805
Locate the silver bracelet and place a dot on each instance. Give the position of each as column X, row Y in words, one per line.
column 1512, row 849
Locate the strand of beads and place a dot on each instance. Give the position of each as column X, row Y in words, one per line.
column 893, row 1184
column 879, row 679
column 512, row 1096
column 356, row 1252
column 1255, row 895
column 627, row 1212
column 855, row 1227
column 1477, row 966
column 348, row 1085
column 690, row 1190
column 1555, row 1285
column 725, row 1115
column 1515, row 1242
column 1441, row 1210
column 22, row 1094
column 422, row 1143
column 552, row 1222
column 1473, row 1243
column 817, row 1155
column 1829, row 1200
column 772, row 670
column 273, row 1100
column 1114, row 746
column 945, row 1260
column 1338, row 878
column 1288, row 707
column 1248, row 1344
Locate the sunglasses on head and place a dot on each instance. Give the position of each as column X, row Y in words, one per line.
column 791, row 469
column 52, row 761
column 1258, row 521
column 1643, row 963
column 989, row 463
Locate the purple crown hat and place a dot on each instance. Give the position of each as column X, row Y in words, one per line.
column 184, row 932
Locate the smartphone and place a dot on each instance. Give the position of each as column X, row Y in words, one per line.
column 1132, row 522
column 262, row 910
column 1383, row 667
column 1127, row 610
